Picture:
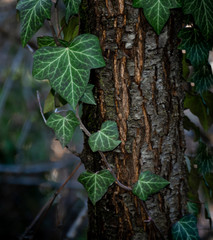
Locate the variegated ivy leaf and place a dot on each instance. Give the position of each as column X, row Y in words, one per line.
column 204, row 159
column 105, row 139
column 49, row 41
column 185, row 228
column 202, row 11
column 147, row 184
column 72, row 7
column 202, row 78
column 157, row 11
column 32, row 16
column 88, row 95
column 64, row 127
column 96, row 184
column 197, row 48
column 68, row 68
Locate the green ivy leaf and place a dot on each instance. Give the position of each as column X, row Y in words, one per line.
column 88, row 95
column 71, row 29
column 72, row 7
column 193, row 208
column 148, row 184
column 197, row 48
column 52, row 101
column 105, row 139
column 202, row 78
column 185, row 228
column 68, row 69
column 49, row 41
column 156, row 11
column 202, row 11
column 32, row 16
column 49, row 104
column 64, row 127
column 204, row 159
column 96, row 184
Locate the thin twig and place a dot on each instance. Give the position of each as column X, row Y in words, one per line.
column 39, row 103
column 101, row 153
column 62, row 28
column 81, row 124
column 30, row 48
column 113, row 173
column 43, row 212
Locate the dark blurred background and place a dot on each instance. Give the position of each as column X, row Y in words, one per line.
column 32, row 163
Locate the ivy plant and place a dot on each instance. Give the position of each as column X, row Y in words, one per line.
column 66, row 59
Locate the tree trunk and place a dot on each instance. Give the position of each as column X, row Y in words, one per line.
column 140, row 88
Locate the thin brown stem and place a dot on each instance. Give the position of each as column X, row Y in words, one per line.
column 84, row 129
column 44, row 210
column 59, row 33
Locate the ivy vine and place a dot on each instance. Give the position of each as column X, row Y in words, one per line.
column 66, row 62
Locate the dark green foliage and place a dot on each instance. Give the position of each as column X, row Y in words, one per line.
column 197, row 48
column 185, row 229
column 49, row 41
column 202, row 78
column 201, row 106
column 204, row 159
column 202, row 11
column 193, row 208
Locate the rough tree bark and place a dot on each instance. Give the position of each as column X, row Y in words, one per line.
column 141, row 89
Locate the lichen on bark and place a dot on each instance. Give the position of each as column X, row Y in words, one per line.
column 141, row 89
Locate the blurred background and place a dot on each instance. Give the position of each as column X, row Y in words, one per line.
column 32, row 163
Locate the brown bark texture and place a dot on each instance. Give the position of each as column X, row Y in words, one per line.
column 140, row 88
